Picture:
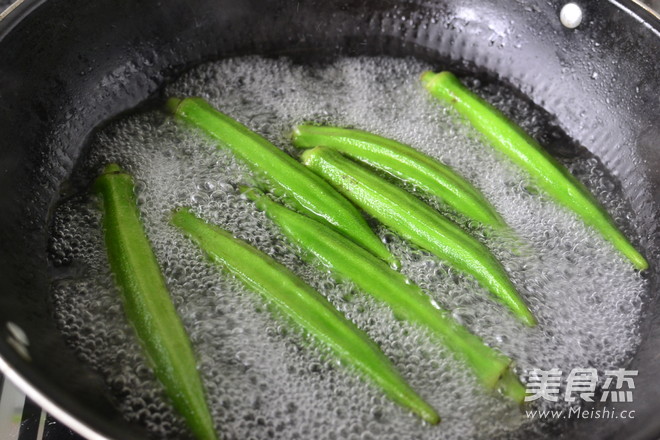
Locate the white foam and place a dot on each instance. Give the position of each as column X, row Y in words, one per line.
column 264, row 380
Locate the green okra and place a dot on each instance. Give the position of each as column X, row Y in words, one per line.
column 507, row 137
column 310, row 193
column 406, row 299
column 417, row 222
column 405, row 163
column 147, row 302
column 304, row 306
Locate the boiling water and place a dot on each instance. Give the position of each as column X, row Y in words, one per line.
column 264, row 379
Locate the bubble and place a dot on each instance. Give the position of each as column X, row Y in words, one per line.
column 265, row 379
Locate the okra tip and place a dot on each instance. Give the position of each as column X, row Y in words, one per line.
column 172, row 105
column 300, row 131
column 430, row 79
column 528, row 318
column 250, row 193
column 511, row 387
column 430, row 416
column 179, row 214
column 308, row 156
column 112, row 168
column 427, row 76
column 638, row 260
column 109, row 170
column 294, row 134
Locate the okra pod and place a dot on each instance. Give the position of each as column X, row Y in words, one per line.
column 304, row 306
column 306, row 190
column 506, row 136
column 417, row 222
column 406, row 299
column 405, row 163
column 147, row 302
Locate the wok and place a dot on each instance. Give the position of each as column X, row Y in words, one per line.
column 67, row 66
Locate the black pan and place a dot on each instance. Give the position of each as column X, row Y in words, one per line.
column 67, row 66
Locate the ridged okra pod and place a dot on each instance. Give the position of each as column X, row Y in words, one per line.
column 405, row 163
column 406, row 299
column 417, row 222
column 306, row 190
column 551, row 176
column 147, row 302
column 304, row 306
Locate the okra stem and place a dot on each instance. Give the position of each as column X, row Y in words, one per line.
column 405, row 298
column 417, row 222
column 306, row 190
column 305, row 306
column 505, row 136
column 147, row 302
column 405, row 163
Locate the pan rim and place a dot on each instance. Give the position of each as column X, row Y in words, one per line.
column 9, row 19
column 47, row 404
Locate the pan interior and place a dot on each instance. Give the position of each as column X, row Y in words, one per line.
column 263, row 378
